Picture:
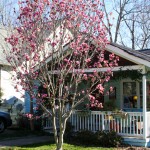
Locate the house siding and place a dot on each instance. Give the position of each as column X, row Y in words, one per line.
column 12, row 101
column 117, row 85
column 7, row 85
column 27, row 102
column 27, row 98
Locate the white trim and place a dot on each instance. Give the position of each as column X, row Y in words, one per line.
column 126, row 55
column 144, row 106
column 122, row 68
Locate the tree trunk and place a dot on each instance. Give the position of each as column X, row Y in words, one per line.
column 31, row 124
column 60, row 141
column 31, row 112
column 60, row 135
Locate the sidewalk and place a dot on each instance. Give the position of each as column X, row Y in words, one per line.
column 24, row 141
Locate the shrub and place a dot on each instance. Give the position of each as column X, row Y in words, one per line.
column 86, row 138
column 69, row 132
column 100, row 138
column 108, row 139
column 23, row 122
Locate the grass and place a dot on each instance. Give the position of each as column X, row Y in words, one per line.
column 53, row 147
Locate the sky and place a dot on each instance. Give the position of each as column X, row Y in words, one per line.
column 110, row 4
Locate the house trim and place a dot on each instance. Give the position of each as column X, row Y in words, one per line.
column 122, row 68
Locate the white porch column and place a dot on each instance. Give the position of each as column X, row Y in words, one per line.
column 144, row 107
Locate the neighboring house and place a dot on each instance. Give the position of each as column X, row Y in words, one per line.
column 11, row 100
column 131, row 95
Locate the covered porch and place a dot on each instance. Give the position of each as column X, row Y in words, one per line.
column 131, row 122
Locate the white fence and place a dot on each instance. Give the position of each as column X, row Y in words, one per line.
column 124, row 124
column 130, row 124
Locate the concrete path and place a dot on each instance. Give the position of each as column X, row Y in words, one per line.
column 24, row 141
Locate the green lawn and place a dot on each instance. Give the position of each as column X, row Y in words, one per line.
column 53, row 147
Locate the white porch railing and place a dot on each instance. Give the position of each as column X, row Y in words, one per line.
column 131, row 125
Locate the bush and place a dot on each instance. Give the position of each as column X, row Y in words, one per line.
column 69, row 132
column 100, row 138
column 23, row 122
column 86, row 138
column 108, row 139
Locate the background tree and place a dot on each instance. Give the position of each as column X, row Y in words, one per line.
column 128, row 22
column 7, row 8
column 57, row 43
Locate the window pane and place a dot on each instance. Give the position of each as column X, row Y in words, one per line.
column 129, row 91
column 129, row 88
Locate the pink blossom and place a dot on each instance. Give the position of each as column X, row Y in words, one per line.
column 107, row 78
column 91, row 97
column 100, row 88
column 85, row 76
column 111, row 89
column 77, row 62
column 44, row 95
column 66, row 60
column 88, row 60
column 111, row 56
column 82, row 91
column 29, row 115
column 56, row 106
column 66, row 87
column 109, row 71
column 53, row 44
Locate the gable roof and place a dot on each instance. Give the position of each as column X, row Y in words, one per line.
column 135, row 56
column 141, row 53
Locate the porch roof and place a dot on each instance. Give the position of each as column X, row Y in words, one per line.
column 138, row 53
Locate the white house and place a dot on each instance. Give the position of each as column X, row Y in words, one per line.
column 10, row 97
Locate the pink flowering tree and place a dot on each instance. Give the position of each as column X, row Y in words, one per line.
column 61, row 44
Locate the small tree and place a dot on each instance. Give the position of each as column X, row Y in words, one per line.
column 59, row 43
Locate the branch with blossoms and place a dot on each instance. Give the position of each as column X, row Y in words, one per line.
column 60, row 44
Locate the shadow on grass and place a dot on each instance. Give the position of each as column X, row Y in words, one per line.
column 18, row 133
column 51, row 138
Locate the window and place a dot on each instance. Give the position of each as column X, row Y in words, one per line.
column 133, row 94
column 129, row 93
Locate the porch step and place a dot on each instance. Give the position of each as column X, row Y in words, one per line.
column 137, row 141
